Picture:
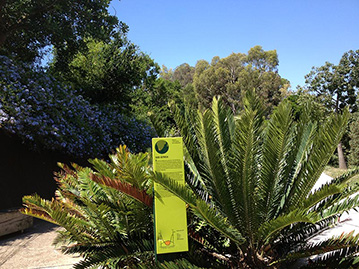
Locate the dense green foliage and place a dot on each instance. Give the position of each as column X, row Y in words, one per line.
column 301, row 99
column 29, row 27
column 109, row 73
column 79, row 102
column 237, row 73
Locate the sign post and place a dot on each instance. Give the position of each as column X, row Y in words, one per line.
column 170, row 211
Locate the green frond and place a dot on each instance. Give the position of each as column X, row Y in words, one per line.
column 301, row 152
column 245, row 164
column 223, row 134
column 181, row 191
column 102, row 167
column 277, row 160
column 186, row 122
column 337, row 259
column 121, row 254
column 126, row 188
column 129, row 167
column 195, row 182
column 158, row 124
column 320, row 194
column 340, row 207
column 268, row 229
column 344, row 245
column 324, row 144
column 218, row 222
column 34, row 208
column 296, row 236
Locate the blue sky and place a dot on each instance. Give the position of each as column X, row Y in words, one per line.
column 304, row 33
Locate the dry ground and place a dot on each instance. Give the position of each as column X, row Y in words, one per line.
column 34, row 249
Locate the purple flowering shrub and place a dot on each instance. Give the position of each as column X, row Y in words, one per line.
column 50, row 115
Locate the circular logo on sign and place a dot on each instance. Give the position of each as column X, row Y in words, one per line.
column 162, row 147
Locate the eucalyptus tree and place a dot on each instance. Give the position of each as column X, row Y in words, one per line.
column 231, row 76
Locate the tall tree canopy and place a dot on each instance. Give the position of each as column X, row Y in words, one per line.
column 27, row 27
column 337, row 87
column 108, row 73
column 237, row 73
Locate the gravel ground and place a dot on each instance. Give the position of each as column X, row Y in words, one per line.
column 34, row 249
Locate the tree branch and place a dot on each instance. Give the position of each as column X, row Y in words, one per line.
column 20, row 24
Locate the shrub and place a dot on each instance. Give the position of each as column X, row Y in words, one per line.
column 50, row 115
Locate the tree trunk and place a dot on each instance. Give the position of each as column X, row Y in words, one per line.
column 342, row 164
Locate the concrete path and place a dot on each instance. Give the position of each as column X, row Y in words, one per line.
column 33, row 249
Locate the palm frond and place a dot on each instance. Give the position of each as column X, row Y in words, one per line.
column 101, row 254
column 301, row 152
column 344, row 178
column 124, row 187
column 295, row 237
column 218, row 222
column 325, row 142
column 322, row 193
column 267, row 229
column 344, row 245
column 277, row 160
column 245, row 163
column 180, row 190
column 340, row 207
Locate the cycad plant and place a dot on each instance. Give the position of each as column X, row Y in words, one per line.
column 106, row 211
column 250, row 179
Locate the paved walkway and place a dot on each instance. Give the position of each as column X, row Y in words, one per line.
column 34, row 249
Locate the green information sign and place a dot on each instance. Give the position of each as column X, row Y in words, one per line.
column 170, row 211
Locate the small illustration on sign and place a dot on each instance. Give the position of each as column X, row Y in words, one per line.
column 162, row 146
column 166, row 243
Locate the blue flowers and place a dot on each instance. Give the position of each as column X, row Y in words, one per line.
column 50, row 115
